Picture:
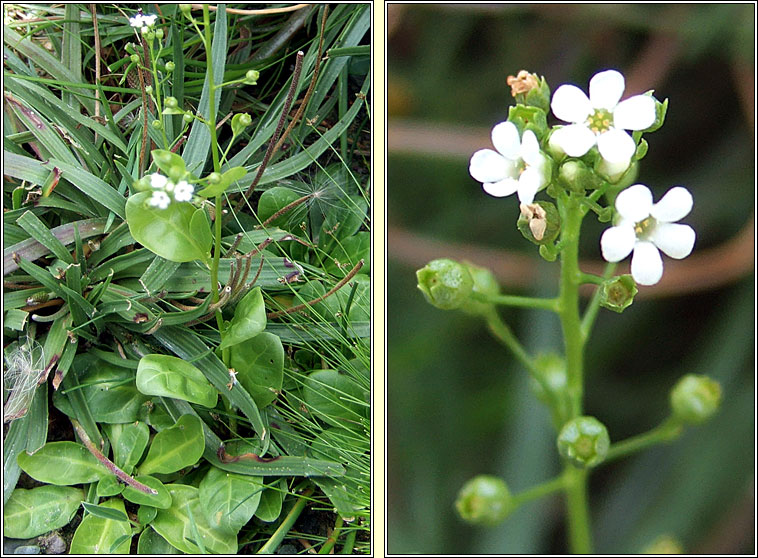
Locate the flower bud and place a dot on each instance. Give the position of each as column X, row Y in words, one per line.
column 170, row 66
column 251, row 77
column 615, row 172
column 214, row 178
column 446, row 284
column 240, row 122
column 188, row 118
column 575, row 176
column 550, row 382
column 528, row 118
column 159, row 34
column 148, row 89
column 695, row 398
column 148, row 33
column 157, row 124
column 134, row 58
column 584, row 442
column 484, row 500
column 617, row 293
column 484, row 283
column 539, row 222
column 171, row 102
column 186, row 9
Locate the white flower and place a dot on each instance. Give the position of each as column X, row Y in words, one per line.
column 143, row 21
column 158, row 181
column 159, row 199
column 183, row 191
column 601, row 119
column 646, row 227
column 517, row 165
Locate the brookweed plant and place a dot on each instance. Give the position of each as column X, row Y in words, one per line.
column 187, row 277
column 588, row 166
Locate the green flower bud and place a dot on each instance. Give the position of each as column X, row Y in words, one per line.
column 134, row 58
column 176, row 173
column 159, row 34
column 575, row 176
column 528, row 118
column 171, row 102
column 584, row 442
column 549, row 385
column 157, row 124
column 251, row 77
column 149, row 35
column 214, row 178
column 188, row 118
column 186, row 9
column 240, row 122
column 539, row 222
column 617, row 293
column 446, row 284
column 484, row 283
column 484, row 500
column 695, row 398
column 148, row 89
column 170, row 66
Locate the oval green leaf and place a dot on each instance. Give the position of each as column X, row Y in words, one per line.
column 167, row 161
column 169, row 376
column 108, row 390
column 128, row 442
column 109, row 486
column 249, row 319
column 161, row 500
column 184, row 521
column 152, row 543
column 174, row 448
column 229, row 499
column 336, row 398
column 173, row 233
column 276, row 198
column 270, row 506
column 259, row 363
column 29, row 513
column 63, row 464
column 97, row 535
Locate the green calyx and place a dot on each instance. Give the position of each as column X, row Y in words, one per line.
column 446, row 284
column 584, row 442
column 484, row 283
column 539, row 222
column 484, row 500
column 695, row 398
column 617, row 293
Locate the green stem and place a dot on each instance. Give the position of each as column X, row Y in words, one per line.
column 503, row 333
column 592, row 308
column 571, row 278
column 539, row 491
column 519, row 301
column 332, row 540
column 276, row 539
column 580, row 538
column 668, row 430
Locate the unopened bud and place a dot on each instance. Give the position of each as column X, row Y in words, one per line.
column 484, row 500
column 170, row 66
column 446, row 284
column 584, row 442
column 251, row 77
column 484, row 283
column 695, row 398
column 134, row 58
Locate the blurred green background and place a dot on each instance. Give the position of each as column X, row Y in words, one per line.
column 458, row 404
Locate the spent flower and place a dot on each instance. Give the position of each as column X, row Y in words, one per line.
column 516, row 166
column 600, row 118
column 646, row 228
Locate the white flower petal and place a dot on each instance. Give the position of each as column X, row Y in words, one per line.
column 530, row 147
column 489, row 166
column 502, row 188
column 575, row 140
column 634, row 203
column 530, row 181
column 505, row 139
column 606, row 89
column 571, row 104
column 635, row 113
column 617, row 243
column 674, row 239
column 647, row 265
column 674, row 205
column 616, row 146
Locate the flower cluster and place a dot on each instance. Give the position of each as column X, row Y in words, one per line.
column 144, row 22
column 164, row 190
column 598, row 127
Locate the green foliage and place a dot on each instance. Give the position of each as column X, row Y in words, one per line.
column 170, row 376
column 29, row 513
column 176, row 447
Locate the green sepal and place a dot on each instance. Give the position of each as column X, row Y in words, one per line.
column 575, row 176
column 484, row 283
column 584, row 442
column 484, row 500
column 446, row 284
column 528, row 118
column 539, row 226
column 617, row 293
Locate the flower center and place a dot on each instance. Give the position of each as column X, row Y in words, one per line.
column 600, row 121
column 645, row 228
